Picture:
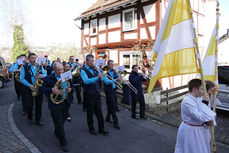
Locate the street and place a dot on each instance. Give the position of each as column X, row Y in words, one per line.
column 135, row 136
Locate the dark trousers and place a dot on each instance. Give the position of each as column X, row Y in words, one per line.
column 17, row 88
column 84, row 103
column 116, row 102
column 111, row 106
column 67, row 109
column 138, row 97
column 78, row 93
column 58, row 118
column 30, row 103
column 93, row 106
column 23, row 98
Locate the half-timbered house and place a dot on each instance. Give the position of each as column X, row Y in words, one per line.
column 111, row 28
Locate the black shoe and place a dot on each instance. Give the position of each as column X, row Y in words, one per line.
column 117, row 126
column 23, row 113
column 143, row 118
column 103, row 132
column 30, row 122
column 65, row 148
column 109, row 121
column 39, row 123
column 134, row 117
column 69, row 119
column 93, row 132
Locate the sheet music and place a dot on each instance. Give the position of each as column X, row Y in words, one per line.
column 66, row 76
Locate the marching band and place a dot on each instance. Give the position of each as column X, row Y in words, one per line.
column 33, row 80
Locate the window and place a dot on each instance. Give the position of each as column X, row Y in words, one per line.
column 93, row 27
column 126, row 61
column 128, row 20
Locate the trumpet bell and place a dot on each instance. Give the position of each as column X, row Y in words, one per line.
column 39, row 83
column 123, row 73
column 105, row 69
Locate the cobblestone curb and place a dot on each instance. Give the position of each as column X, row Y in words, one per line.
column 18, row 134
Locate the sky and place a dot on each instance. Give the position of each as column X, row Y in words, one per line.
column 50, row 22
column 46, row 22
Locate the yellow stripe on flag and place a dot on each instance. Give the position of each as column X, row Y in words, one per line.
column 179, row 62
column 179, row 12
column 175, row 45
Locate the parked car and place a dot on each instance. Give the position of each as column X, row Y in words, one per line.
column 223, row 94
column 4, row 72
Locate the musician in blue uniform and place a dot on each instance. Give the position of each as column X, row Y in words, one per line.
column 15, row 69
column 19, row 88
column 27, row 78
column 136, row 80
column 92, row 99
column 110, row 79
column 57, row 111
column 77, row 82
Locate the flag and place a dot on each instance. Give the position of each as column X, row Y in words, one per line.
column 175, row 43
column 210, row 69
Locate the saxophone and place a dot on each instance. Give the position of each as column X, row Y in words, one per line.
column 37, row 83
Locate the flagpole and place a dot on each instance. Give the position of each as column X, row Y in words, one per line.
column 213, row 145
column 198, row 52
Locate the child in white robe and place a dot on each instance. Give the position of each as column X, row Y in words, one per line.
column 194, row 134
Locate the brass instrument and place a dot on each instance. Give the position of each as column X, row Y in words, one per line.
column 105, row 70
column 58, row 99
column 123, row 74
column 37, row 83
column 76, row 72
column 17, row 73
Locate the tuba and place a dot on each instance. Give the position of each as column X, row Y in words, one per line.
column 62, row 86
column 37, row 83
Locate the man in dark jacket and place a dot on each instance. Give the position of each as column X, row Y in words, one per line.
column 136, row 80
column 57, row 111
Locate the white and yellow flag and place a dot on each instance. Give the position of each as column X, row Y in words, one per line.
column 210, row 60
column 175, row 43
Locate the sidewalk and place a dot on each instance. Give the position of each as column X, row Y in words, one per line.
column 9, row 143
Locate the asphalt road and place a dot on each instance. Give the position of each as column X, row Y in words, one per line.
column 135, row 136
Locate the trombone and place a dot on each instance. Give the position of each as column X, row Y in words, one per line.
column 123, row 74
column 105, row 70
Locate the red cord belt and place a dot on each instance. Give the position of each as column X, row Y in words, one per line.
column 192, row 124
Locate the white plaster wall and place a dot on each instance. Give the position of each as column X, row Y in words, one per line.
column 223, row 53
column 114, row 36
column 143, row 34
column 114, row 21
column 150, row 13
column 102, row 24
column 114, row 55
column 102, row 38
column 130, row 36
column 86, row 29
column 94, row 41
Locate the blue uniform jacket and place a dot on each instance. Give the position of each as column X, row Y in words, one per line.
column 47, row 86
column 136, row 80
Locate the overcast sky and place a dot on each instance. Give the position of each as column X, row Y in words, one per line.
column 50, row 22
